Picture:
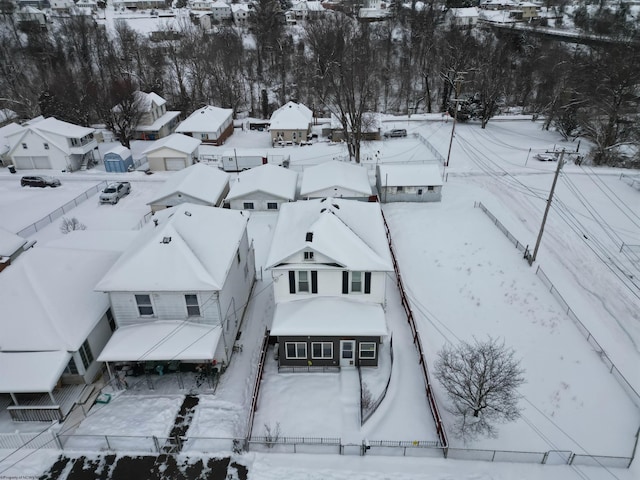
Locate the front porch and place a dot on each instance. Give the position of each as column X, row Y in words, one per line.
column 166, row 377
column 45, row 406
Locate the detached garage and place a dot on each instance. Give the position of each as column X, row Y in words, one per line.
column 171, row 153
column 118, row 159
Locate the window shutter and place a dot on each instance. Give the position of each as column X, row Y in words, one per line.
column 345, row 282
column 292, row 281
column 367, row 282
column 314, row 281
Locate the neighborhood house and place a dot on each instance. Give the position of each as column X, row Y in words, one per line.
column 179, row 293
column 265, row 187
column 290, row 123
column 335, row 179
column 329, row 260
column 174, row 152
column 210, row 124
column 409, row 183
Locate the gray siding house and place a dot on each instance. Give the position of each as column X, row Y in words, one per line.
column 409, row 183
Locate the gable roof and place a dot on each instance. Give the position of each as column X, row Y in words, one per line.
column 120, row 150
column 191, row 248
column 270, row 179
column 349, row 232
column 175, row 141
column 290, row 117
column 409, row 175
column 335, row 174
column 58, row 127
column 10, row 243
column 47, row 298
column 146, row 100
column 205, row 119
column 198, row 181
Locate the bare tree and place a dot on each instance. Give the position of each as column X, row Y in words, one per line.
column 481, row 379
column 122, row 109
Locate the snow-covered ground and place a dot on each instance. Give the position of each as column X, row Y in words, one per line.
column 464, row 278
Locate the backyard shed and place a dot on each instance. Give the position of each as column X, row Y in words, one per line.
column 118, row 159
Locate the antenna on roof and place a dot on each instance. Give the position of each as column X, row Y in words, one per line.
column 166, row 240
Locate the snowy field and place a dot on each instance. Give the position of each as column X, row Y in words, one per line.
column 464, row 279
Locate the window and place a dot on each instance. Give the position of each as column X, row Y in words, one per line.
column 399, row 189
column 419, row 191
column 46, row 146
column 356, row 281
column 85, row 354
column 295, row 350
column 24, row 146
column 247, row 205
column 272, row 206
column 238, row 256
column 145, row 308
column 193, row 307
column 368, row 350
column 72, row 368
column 308, row 255
column 430, row 188
column 111, row 320
column 322, row 350
column 303, row 281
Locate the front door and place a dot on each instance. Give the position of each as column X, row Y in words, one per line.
column 347, row 353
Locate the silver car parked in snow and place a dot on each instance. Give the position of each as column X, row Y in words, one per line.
column 114, row 192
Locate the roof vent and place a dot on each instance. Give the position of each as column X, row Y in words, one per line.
column 323, row 200
column 187, row 213
column 166, row 240
column 309, row 237
column 155, row 222
column 323, row 210
column 337, row 206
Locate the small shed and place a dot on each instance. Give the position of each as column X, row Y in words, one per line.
column 409, row 183
column 118, row 159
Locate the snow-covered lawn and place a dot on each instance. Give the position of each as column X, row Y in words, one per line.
column 130, row 422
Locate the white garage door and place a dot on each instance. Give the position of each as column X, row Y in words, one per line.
column 32, row 162
column 41, row 162
column 23, row 163
column 174, row 163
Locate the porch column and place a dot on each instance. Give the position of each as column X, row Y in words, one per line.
column 53, row 400
column 13, row 397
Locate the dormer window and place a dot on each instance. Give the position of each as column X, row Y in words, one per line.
column 309, row 237
column 308, row 256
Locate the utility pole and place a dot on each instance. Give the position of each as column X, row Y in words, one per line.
column 458, row 80
column 532, row 258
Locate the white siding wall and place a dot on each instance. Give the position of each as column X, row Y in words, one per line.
column 166, row 306
column 259, row 200
column 235, row 295
column 329, row 285
column 156, row 159
column 35, row 148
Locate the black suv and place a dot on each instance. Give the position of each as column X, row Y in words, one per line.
column 39, row 181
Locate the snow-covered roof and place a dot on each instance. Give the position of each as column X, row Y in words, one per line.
column 220, row 4
column 120, row 150
column 30, row 10
column 162, row 340
column 191, row 248
column 159, row 122
column 175, row 141
column 409, row 175
column 291, row 116
column 244, row 152
column 335, row 174
column 146, row 100
column 103, row 240
column 31, row 372
column 206, row 119
column 10, row 243
column 5, row 132
column 270, row 179
column 349, row 232
column 236, row 7
column 58, row 127
column 48, row 301
column 303, row 5
column 464, row 12
column 198, row 181
column 328, row 316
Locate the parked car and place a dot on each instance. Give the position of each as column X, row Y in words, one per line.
column 398, row 132
column 546, row 157
column 39, row 181
column 114, row 192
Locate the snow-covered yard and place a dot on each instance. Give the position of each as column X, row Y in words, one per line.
column 464, row 279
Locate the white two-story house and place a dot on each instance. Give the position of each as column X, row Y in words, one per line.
column 179, row 293
column 156, row 121
column 49, row 143
column 329, row 259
